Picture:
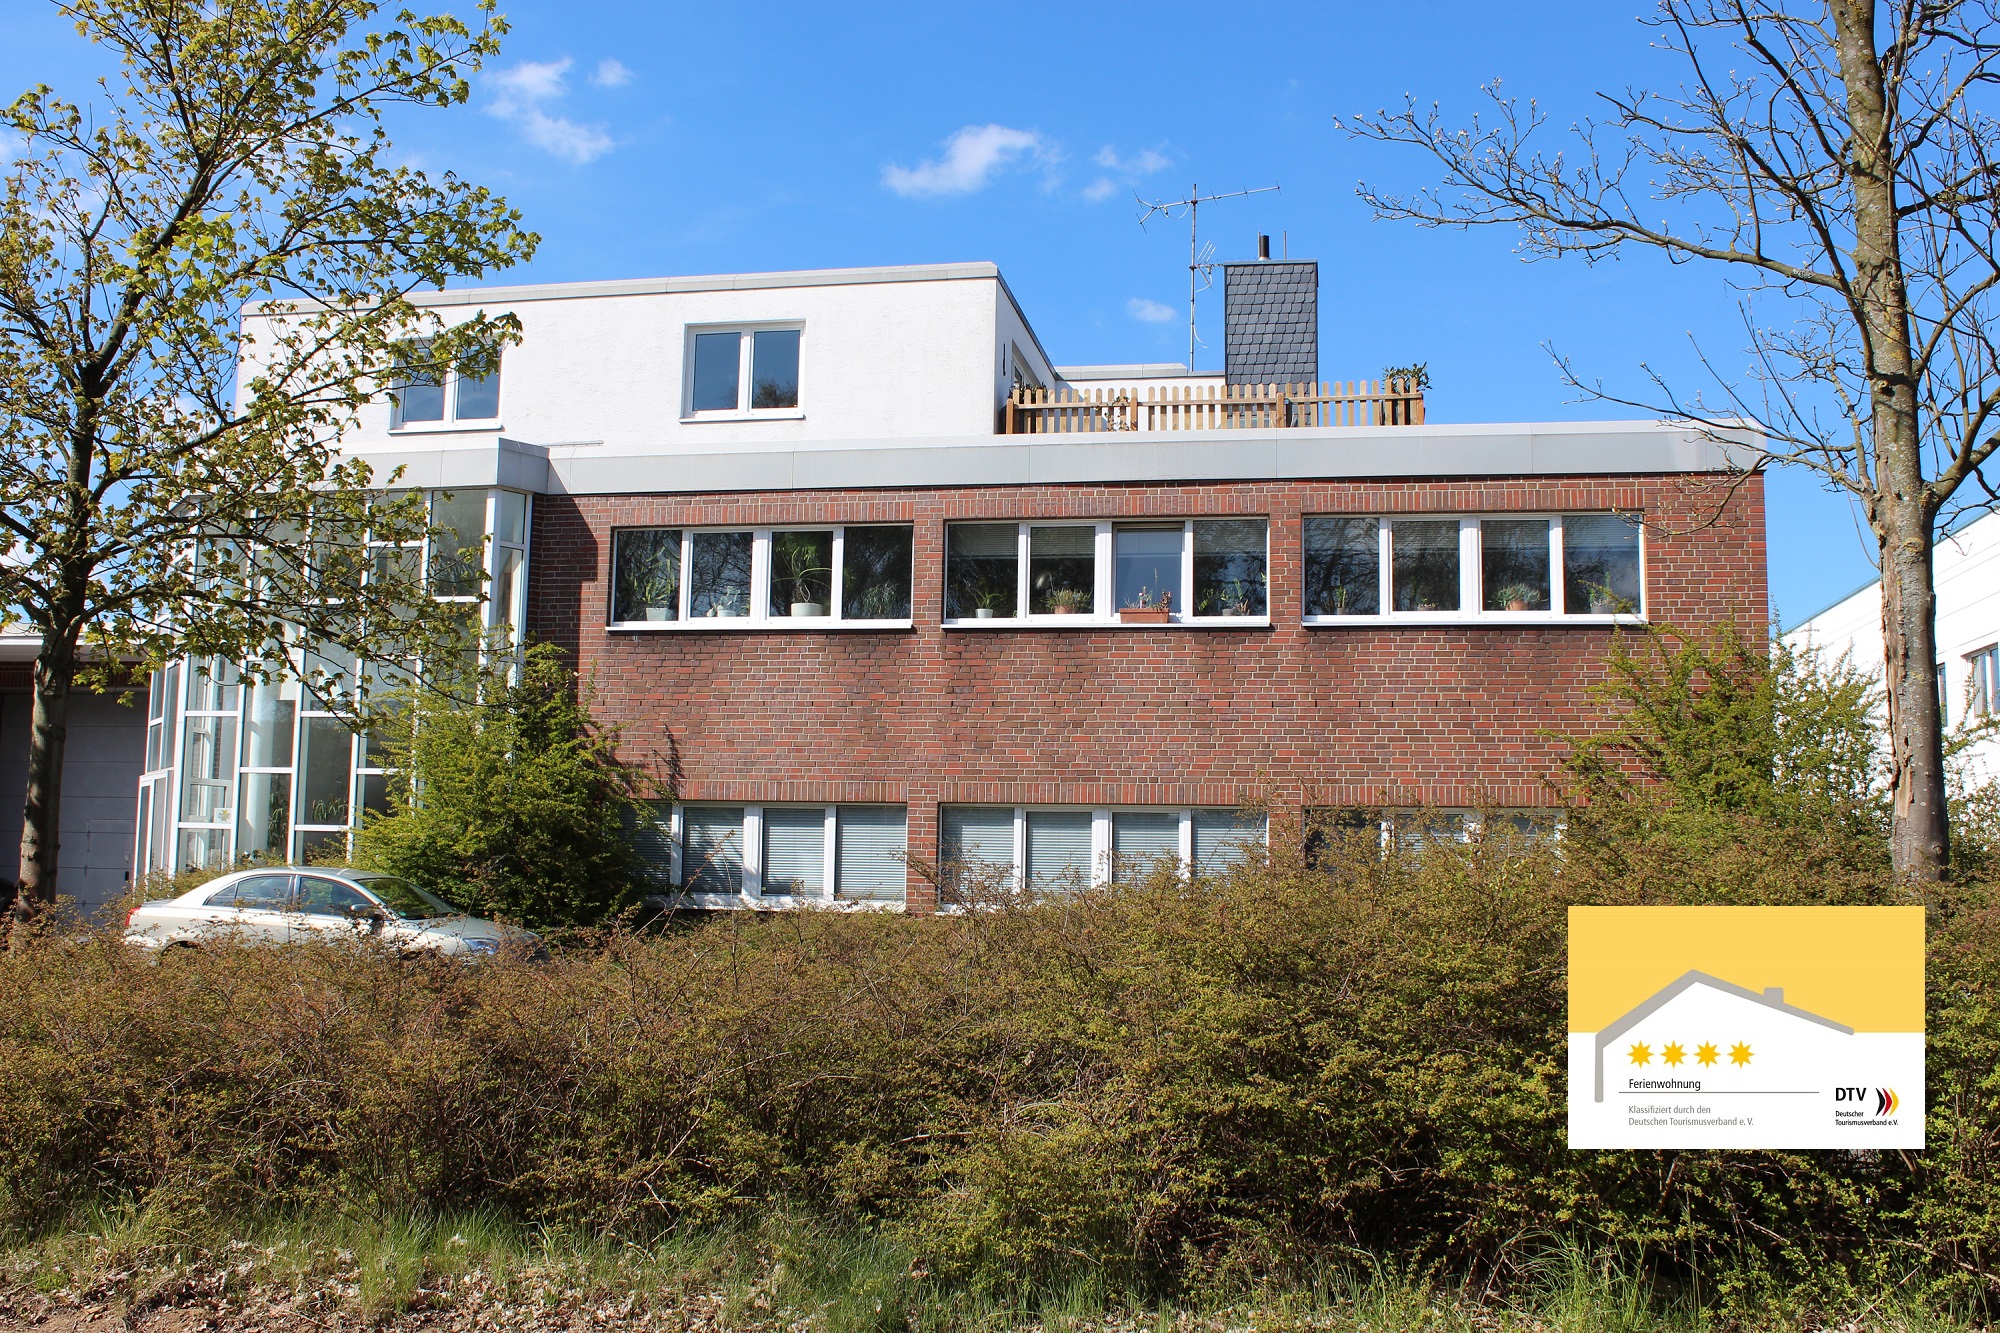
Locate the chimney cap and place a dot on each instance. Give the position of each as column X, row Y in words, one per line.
column 1775, row 994
column 1263, row 246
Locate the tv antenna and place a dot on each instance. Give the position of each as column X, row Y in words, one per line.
column 1200, row 266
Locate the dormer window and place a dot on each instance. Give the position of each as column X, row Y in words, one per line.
column 433, row 396
column 743, row 371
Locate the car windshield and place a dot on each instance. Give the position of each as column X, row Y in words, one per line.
column 408, row 901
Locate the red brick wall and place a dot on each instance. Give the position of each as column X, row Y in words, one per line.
column 1170, row 716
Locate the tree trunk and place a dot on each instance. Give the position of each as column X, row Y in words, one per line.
column 48, row 733
column 1903, row 509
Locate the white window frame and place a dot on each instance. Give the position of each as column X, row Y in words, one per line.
column 753, row 898
column 1101, row 842
column 1471, row 573
column 745, row 358
column 1984, row 690
column 451, row 421
column 1104, row 614
column 760, row 617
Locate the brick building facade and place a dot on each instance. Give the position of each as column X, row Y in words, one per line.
column 863, row 629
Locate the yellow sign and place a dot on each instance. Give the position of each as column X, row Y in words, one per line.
column 1746, row 1027
column 1853, row 964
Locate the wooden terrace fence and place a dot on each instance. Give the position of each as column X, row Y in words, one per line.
column 1215, row 407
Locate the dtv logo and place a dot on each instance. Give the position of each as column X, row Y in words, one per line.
column 1886, row 1100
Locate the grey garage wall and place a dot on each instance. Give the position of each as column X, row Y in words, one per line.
column 107, row 748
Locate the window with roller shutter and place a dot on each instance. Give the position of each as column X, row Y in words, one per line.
column 795, row 851
column 868, row 853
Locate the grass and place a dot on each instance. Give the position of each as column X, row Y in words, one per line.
column 781, row 1272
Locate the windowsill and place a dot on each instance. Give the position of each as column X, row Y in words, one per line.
column 481, row 427
column 1486, row 620
column 755, row 414
column 765, row 902
column 739, row 624
column 1095, row 622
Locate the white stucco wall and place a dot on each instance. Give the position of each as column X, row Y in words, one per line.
column 1967, row 571
column 884, row 354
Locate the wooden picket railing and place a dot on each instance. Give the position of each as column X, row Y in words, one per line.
column 1215, row 407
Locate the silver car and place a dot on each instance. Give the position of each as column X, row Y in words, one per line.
column 292, row 904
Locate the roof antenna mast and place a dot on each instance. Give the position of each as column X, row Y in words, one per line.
column 1200, row 266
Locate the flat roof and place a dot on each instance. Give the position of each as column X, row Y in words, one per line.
column 1150, row 370
column 709, row 282
column 1442, row 452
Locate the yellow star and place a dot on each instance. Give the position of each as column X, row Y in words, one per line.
column 1673, row 1054
column 1739, row 1054
column 1705, row 1053
column 1642, row 1054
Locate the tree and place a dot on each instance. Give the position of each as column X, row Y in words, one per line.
column 204, row 272
column 1843, row 159
column 526, row 810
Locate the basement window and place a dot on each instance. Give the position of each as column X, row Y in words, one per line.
column 990, row 851
column 781, row 855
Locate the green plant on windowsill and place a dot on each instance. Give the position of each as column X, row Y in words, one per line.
column 1067, row 601
column 1232, row 597
column 1605, row 601
column 1520, row 597
column 797, row 557
column 651, row 592
column 988, row 600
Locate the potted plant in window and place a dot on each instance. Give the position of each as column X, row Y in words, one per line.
column 1521, row 597
column 798, row 564
column 989, row 600
column 653, row 593
column 1605, row 602
column 1146, row 611
column 1066, row 601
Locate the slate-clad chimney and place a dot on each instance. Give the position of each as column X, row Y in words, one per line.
column 1270, row 322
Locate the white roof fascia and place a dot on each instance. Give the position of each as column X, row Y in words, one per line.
column 713, row 282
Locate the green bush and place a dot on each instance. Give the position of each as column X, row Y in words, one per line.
column 508, row 799
column 1312, row 1060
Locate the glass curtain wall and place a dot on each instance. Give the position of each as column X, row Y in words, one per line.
column 243, row 770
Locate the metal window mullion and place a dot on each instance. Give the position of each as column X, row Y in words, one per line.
column 836, row 592
column 1187, row 841
column 745, row 394
column 1186, row 610
column 1385, row 570
column 1100, row 848
column 760, row 575
column 1020, row 847
column 1104, row 575
column 1471, row 596
column 829, row 853
column 753, row 852
column 1641, row 535
column 1022, row 547
column 1557, row 605
column 685, row 597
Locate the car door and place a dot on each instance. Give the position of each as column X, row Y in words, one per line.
column 324, row 908
column 252, row 911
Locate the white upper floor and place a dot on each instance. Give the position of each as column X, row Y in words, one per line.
column 733, row 361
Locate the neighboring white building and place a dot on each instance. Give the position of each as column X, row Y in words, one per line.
column 1968, row 630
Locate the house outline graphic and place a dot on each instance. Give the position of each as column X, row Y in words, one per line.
column 1771, row 998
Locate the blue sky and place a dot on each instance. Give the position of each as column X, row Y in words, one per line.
column 670, row 138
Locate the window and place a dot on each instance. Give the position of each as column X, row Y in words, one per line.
column 1502, row 567
column 989, row 849
column 432, row 395
column 844, row 853
column 329, row 897
column 743, row 370
column 1985, row 692
column 1099, row 573
column 672, row 578
column 1411, row 831
column 1424, row 565
column 1343, row 559
column 1944, row 698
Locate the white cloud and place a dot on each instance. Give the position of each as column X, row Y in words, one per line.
column 1145, row 164
column 1150, row 312
column 1124, row 171
column 521, row 95
column 972, row 157
column 611, row 74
